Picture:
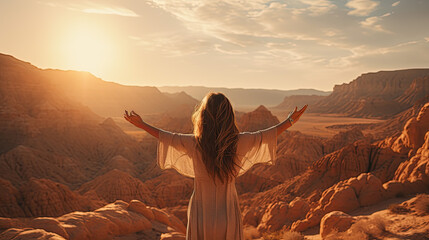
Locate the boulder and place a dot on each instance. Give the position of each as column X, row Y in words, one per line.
column 29, row 234
column 335, row 221
column 49, row 224
column 172, row 236
column 139, row 207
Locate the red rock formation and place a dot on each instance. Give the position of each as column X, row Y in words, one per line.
column 258, row 119
column 22, row 163
column 412, row 136
column 41, row 197
column 345, row 196
column 170, row 189
column 115, row 219
column 29, row 233
column 335, row 221
column 120, row 163
column 9, row 199
column 373, row 94
column 416, row 169
column 418, row 89
column 118, row 185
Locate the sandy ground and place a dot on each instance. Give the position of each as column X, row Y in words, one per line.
column 316, row 124
column 399, row 226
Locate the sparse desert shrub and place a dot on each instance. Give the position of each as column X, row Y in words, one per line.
column 272, row 235
column 364, row 229
column 422, row 204
column 293, row 236
column 398, row 209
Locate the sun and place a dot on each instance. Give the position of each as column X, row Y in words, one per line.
column 88, row 48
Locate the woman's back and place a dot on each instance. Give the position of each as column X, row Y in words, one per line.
column 213, row 211
column 214, row 157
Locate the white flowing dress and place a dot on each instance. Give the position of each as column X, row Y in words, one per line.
column 213, row 211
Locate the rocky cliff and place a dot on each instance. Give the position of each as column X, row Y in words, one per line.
column 380, row 94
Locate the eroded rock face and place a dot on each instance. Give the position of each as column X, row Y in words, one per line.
column 417, row 168
column 118, row 185
column 41, row 197
column 372, row 94
column 296, row 152
column 29, row 233
column 335, row 221
column 345, row 196
column 170, row 189
column 279, row 214
column 115, row 219
column 258, row 119
column 9, row 198
column 412, row 136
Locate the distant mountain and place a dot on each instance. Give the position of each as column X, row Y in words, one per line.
column 290, row 102
column 110, row 99
column 242, row 97
column 381, row 94
column 47, row 135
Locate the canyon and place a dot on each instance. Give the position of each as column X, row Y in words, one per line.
column 72, row 169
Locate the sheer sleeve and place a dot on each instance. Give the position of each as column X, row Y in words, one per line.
column 256, row 147
column 175, row 150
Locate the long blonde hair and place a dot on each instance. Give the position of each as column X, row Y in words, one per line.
column 216, row 133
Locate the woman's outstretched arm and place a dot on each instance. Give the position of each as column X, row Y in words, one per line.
column 137, row 121
column 292, row 119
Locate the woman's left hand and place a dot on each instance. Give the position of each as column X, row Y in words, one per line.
column 295, row 115
column 133, row 118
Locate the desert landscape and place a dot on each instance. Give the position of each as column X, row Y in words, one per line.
column 356, row 167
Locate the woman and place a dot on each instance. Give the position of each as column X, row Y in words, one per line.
column 214, row 156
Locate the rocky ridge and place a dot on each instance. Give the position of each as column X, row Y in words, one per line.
column 381, row 94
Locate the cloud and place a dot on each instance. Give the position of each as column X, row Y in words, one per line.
column 300, row 34
column 110, row 10
column 318, row 7
column 373, row 23
column 395, row 4
column 361, row 7
column 92, row 7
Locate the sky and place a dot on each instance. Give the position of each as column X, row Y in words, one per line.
column 235, row 43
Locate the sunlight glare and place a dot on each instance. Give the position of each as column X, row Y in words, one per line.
column 88, row 48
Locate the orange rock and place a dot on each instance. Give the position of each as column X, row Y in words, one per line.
column 343, row 199
column 372, row 191
column 417, row 168
column 49, row 225
column 161, row 216
column 9, row 200
column 335, row 221
column 29, row 234
column 118, row 185
column 275, row 217
column 177, row 224
column 110, row 220
column 258, row 119
column 43, row 197
column 139, row 207
column 172, row 236
column 412, row 136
